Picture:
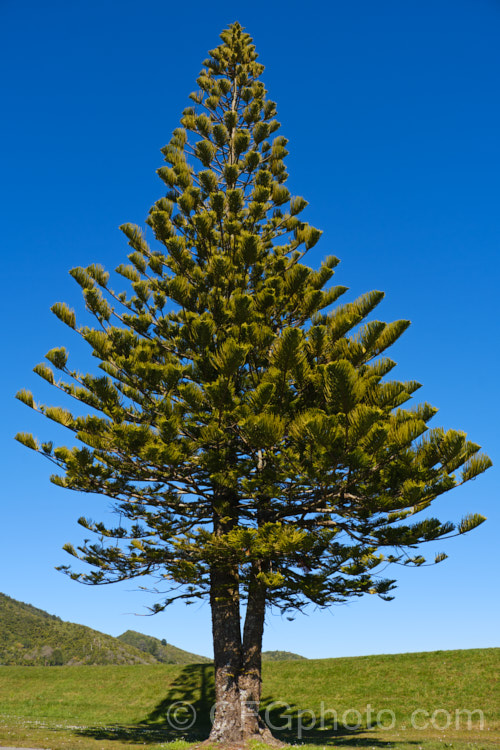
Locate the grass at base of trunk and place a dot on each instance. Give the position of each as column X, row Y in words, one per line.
column 114, row 707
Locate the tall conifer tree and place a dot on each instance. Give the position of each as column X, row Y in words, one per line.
column 242, row 424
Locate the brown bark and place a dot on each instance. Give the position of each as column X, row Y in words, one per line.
column 250, row 682
column 226, row 632
column 237, row 664
column 238, row 681
column 227, row 656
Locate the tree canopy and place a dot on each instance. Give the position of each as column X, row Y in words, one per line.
column 243, row 423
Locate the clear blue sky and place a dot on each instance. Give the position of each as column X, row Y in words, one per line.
column 393, row 116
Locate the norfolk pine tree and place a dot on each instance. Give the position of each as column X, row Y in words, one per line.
column 243, row 425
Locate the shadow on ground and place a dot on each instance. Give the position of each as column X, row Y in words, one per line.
column 184, row 713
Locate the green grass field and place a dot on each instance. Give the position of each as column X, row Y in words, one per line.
column 105, row 707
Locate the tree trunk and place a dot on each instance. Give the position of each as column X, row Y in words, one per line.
column 237, row 665
column 224, row 601
column 250, row 679
column 250, row 682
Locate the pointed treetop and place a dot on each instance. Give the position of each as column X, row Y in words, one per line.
column 238, row 49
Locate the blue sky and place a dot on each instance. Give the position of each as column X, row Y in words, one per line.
column 393, row 115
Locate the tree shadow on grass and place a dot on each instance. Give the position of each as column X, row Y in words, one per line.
column 186, row 708
column 300, row 725
column 185, row 713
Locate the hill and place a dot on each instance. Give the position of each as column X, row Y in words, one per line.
column 32, row 637
column 160, row 650
column 281, row 656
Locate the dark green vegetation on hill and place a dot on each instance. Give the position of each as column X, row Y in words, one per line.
column 106, row 707
column 32, row 637
column 162, row 652
column 281, row 656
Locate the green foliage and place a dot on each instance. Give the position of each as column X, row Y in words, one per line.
column 242, row 420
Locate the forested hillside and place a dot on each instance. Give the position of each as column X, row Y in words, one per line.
column 32, row 637
column 161, row 650
column 281, row 656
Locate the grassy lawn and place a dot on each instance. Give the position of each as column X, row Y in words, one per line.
column 316, row 703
